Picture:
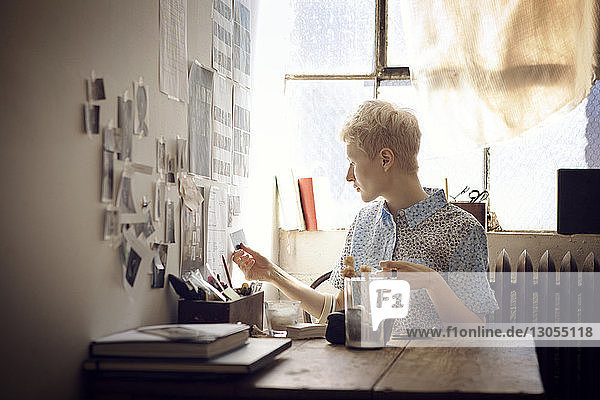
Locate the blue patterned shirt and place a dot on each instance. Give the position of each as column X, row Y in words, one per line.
column 433, row 233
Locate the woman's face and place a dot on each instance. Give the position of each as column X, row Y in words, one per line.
column 365, row 174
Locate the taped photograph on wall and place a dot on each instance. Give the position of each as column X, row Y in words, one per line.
column 140, row 93
column 125, row 123
column 107, row 194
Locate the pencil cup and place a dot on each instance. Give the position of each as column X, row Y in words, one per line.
column 280, row 315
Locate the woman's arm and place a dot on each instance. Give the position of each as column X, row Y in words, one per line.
column 450, row 308
column 257, row 267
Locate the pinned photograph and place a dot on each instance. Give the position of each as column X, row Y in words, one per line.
column 161, row 155
column 141, row 106
column 107, row 177
column 95, row 89
column 124, row 249
column 148, row 226
column 133, row 265
column 159, row 265
column 125, row 202
column 159, row 190
column 170, row 222
column 182, row 155
column 125, row 123
column 192, row 239
column 91, row 118
column 237, row 238
column 109, row 138
column 111, row 223
column 171, row 170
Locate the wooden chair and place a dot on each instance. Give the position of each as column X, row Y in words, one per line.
column 314, row 285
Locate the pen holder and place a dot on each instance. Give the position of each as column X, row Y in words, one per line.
column 247, row 309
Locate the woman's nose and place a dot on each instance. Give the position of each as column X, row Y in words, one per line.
column 350, row 174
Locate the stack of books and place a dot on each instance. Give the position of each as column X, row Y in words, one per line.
column 181, row 348
column 306, row 330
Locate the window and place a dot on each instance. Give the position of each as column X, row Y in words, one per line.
column 338, row 59
column 332, row 55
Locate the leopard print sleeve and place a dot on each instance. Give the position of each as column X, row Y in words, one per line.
column 336, row 279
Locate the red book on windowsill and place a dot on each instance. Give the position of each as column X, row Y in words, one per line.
column 307, row 198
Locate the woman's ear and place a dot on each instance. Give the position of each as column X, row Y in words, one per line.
column 387, row 158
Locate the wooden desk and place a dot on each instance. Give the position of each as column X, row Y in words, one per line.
column 315, row 369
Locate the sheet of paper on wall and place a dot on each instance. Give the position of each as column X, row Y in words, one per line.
column 125, row 124
column 216, row 241
column 222, row 130
column 241, row 134
column 192, row 238
column 173, row 49
column 241, row 42
column 222, row 32
column 140, row 94
column 200, row 120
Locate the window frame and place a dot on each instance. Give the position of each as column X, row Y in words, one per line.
column 381, row 72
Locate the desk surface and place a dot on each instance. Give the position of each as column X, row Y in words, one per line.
column 315, row 369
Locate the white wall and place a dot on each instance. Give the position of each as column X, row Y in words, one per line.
column 61, row 284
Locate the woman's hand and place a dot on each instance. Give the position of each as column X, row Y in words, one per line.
column 417, row 275
column 254, row 265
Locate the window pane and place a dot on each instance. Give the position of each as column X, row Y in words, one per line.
column 397, row 54
column 317, row 110
column 400, row 93
column 332, row 37
column 523, row 177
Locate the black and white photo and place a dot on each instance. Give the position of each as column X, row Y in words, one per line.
column 91, row 118
column 107, row 194
column 169, row 221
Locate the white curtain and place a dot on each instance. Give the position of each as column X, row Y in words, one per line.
column 485, row 70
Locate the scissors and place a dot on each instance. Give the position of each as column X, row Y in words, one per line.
column 477, row 196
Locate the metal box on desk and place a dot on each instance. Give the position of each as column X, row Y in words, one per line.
column 247, row 309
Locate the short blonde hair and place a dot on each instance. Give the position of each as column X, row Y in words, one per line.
column 378, row 124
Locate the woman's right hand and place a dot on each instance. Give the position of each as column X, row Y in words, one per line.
column 253, row 264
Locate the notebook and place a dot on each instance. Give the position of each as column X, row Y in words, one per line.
column 254, row 355
column 172, row 341
column 306, row 330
